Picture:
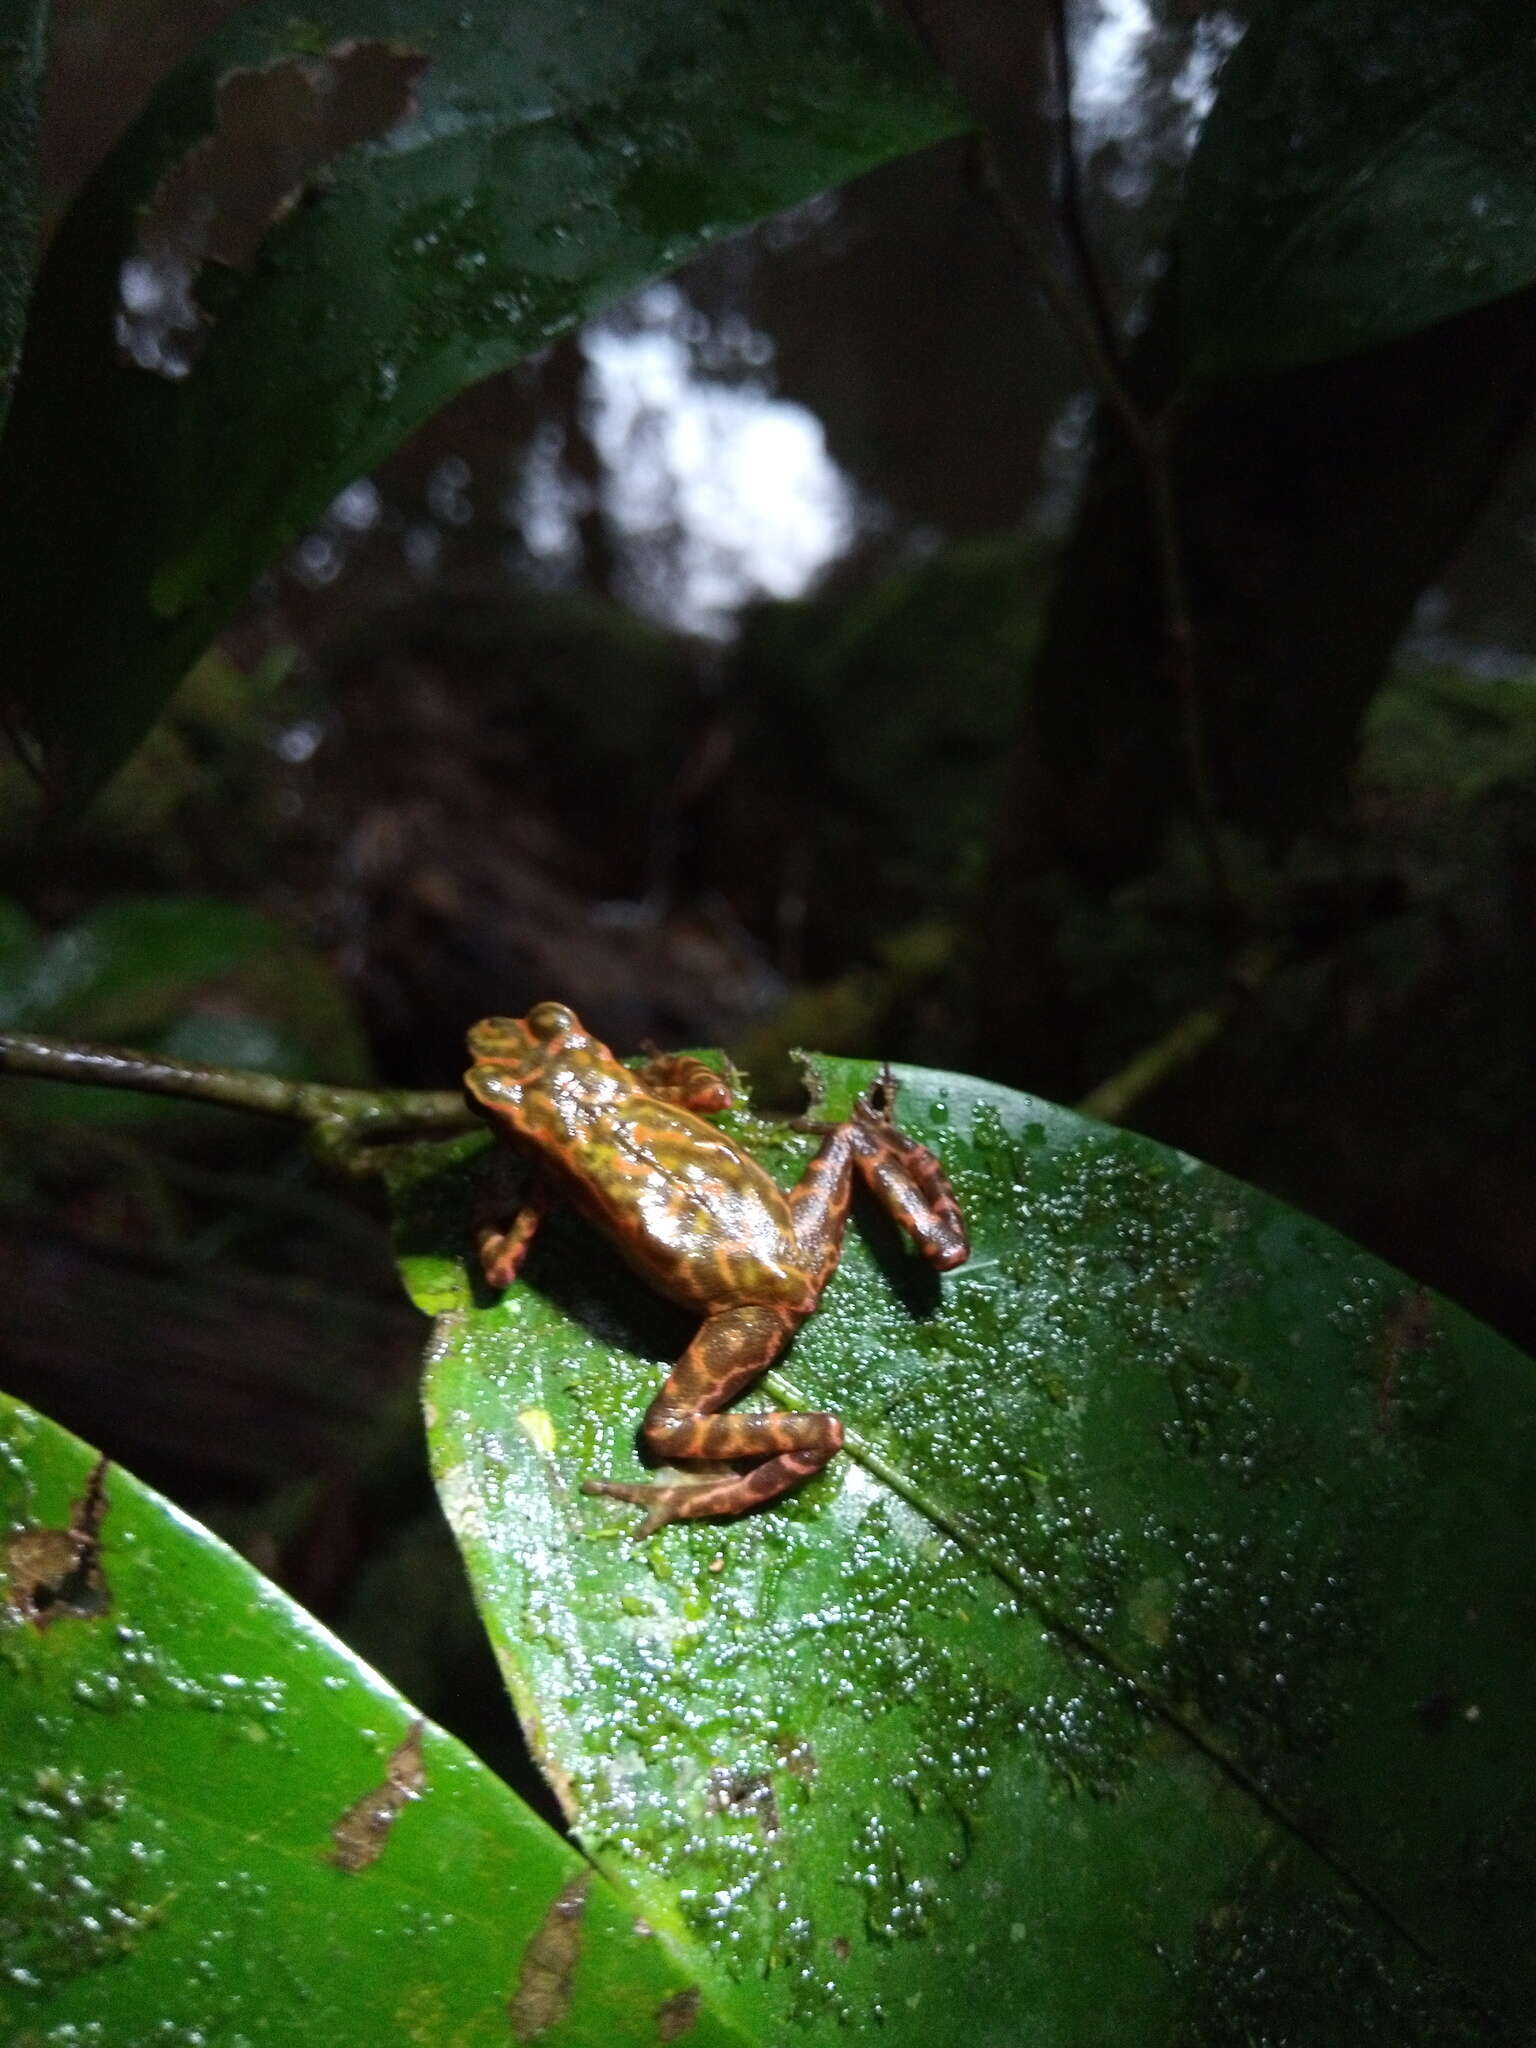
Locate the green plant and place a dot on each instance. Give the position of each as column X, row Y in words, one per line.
column 1153, row 1664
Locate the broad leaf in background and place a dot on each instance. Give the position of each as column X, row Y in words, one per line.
column 1369, row 167
column 190, row 977
column 475, row 180
column 220, row 1827
column 1154, row 1667
column 22, row 24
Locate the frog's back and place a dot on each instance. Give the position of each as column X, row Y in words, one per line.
column 691, row 1211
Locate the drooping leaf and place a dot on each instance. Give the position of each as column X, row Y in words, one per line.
column 1368, row 168
column 526, row 163
column 218, row 1826
column 1153, row 1667
column 22, row 25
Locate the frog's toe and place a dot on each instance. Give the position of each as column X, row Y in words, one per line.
column 731, row 1493
column 678, row 1501
column 659, row 1499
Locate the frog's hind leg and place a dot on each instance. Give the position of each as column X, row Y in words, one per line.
column 679, row 1078
column 731, row 1350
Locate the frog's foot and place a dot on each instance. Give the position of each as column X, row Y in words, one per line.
column 503, row 1244
column 687, row 1499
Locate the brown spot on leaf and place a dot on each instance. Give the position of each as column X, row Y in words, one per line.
column 543, row 1993
column 49, row 1574
column 749, row 1793
column 277, row 130
column 675, row 2016
column 1407, row 1331
column 797, row 1757
column 840, row 1948
column 358, row 1838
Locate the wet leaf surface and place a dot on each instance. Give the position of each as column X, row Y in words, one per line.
column 1154, row 1666
column 547, row 160
column 217, row 1826
column 1366, row 170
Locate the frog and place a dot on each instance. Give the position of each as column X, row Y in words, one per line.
column 705, row 1225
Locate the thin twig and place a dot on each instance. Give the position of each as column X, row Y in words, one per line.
column 1179, row 627
column 1115, row 1096
column 1150, row 440
column 993, row 99
column 1113, row 1099
column 339, row 1119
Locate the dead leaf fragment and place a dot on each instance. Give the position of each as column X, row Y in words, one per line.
column 676, row 2015
column 278, row 129
column 358, row 1838
column 51, row 1574
column 543, row 1993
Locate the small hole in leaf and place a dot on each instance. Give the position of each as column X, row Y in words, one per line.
column 48, row 1575
column 277, row 131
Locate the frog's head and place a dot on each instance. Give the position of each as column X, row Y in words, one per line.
column 518, row 1049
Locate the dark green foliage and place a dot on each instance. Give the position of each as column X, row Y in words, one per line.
column 543, row 166
column 193, row 979
column 22, row 23
column 1366, row 171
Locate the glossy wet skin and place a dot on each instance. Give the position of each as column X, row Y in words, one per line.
column 700, row 1219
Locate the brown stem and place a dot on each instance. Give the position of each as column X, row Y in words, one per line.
column 1150, row 436
column 1114, row 1097
column 340, row 1118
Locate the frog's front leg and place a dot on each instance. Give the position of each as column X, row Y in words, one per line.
column 903, row 1176
column 502, row 1243
column 731, row 1350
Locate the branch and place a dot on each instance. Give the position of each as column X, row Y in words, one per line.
column 1150, row 437
column 1114, row 1098
column 340, row 1120
column 961, row 43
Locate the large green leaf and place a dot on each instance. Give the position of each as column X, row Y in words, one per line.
column 1154, row 1667
column 553, row 158
column 1369, row 167
column 216, row 1826
column 22, row 23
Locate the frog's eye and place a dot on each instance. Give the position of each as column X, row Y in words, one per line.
column 549, row 1020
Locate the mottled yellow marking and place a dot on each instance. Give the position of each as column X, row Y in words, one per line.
column 538, row 1425
column 701, row 1218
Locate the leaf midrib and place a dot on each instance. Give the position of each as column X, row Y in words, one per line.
column 1026, row 1587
